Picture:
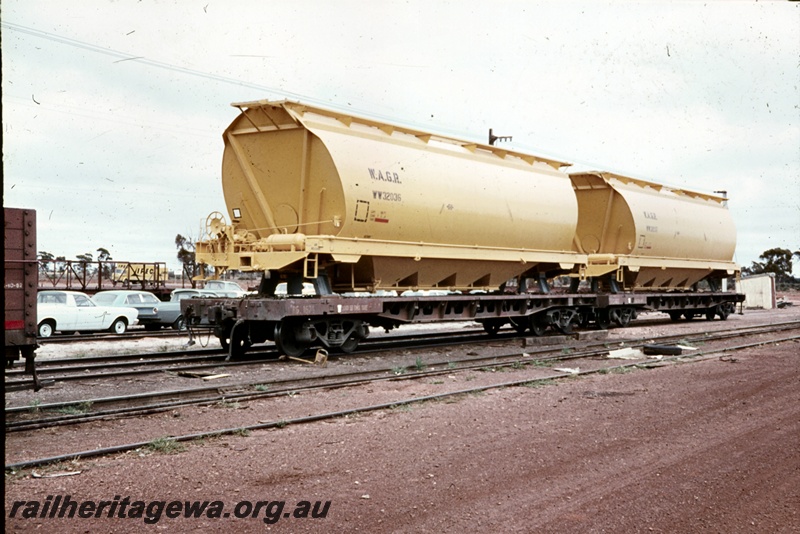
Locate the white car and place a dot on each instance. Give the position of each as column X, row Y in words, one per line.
column 73, row 311
column 225, row 289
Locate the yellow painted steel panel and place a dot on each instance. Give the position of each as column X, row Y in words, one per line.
column 403, row 188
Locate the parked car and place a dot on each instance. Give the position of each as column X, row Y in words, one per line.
column 173, row 307
column 225, row 289
column 169, row 313
column 147, row 304
column 282, row 288
column 178, row 295
column 72, row 311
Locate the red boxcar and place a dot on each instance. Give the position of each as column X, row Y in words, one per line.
column 20, row 283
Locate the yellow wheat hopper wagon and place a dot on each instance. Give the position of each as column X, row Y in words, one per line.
column 376, row 206
column 641, row 235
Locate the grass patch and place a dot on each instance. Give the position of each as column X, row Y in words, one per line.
column 623, row 370
column 35, row 406
column 76, row 409
column 398, row 370
column 242, row 432
column 544, row 382
column 261, row 387
column 452, row 399
column 419, row 365
column 451, row 365
column 165, row 445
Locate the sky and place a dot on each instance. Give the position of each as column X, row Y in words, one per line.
column 113, row 110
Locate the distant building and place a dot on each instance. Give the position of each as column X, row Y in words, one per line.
column 759, row 291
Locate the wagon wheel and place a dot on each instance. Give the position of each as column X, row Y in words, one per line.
column 350, row 344
column 538, row 324
column 520, row 325
column 689, row 315
column 674, row 316
column 286, row 341
column 239, row 341
column 563, row 321
column 492, row 326
column 710, row 313
column 724, row 310
column 224, row 335
column 622, row 316
column 602, row 319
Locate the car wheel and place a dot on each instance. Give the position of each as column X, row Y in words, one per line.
column 179, row 324
column 46, row 328
column 119, row 326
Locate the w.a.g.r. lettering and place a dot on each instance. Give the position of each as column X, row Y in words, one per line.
column 385, row 176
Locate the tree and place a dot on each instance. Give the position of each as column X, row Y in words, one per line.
column 185, row 247
column 44, row 259
column 85, row 259
column 61, row 263
column 186, row 255
column 104, row 255
column 774, row 260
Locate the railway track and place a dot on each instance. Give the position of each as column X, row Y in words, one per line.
column 100, row 367
column 134, row 333
column 542, row 362
column 111, row 366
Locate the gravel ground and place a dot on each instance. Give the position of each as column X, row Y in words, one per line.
column 711, row 446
